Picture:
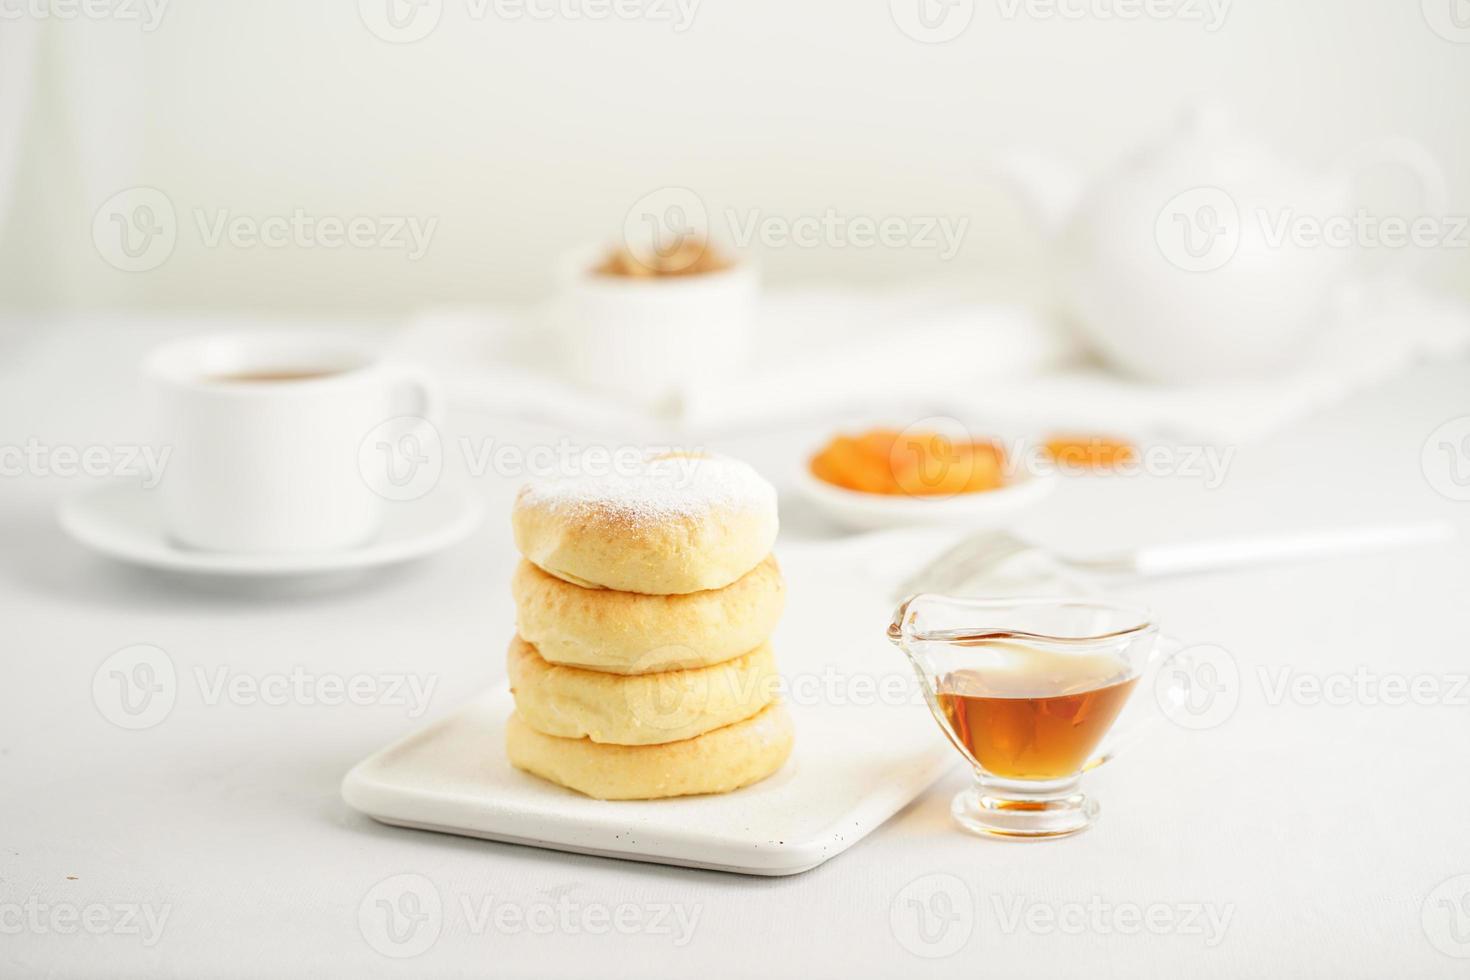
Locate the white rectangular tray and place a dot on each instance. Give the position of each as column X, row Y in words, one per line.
column 861, row 754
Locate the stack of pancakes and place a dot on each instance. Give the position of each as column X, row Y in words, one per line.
column 645, row 602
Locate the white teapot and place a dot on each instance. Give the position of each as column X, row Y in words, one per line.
column 1205, row 256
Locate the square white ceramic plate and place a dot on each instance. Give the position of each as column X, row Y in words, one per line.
column 865, row 747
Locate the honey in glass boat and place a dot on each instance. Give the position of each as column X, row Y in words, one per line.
column 1046, row 736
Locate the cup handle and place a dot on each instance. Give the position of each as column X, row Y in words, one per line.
column 1167, row 651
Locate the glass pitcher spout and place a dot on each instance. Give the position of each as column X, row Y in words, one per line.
column 929, row 618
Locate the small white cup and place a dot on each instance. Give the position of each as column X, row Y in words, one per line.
column 273, row 465
column 649, row 341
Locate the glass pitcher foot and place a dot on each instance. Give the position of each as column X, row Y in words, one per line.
column 1024, row 811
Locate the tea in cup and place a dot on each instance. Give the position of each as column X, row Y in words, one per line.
column 266, row 432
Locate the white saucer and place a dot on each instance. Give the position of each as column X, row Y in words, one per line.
column 123, row 521
column 875, row 511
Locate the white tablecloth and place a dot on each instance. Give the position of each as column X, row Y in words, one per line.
column 1292, row 839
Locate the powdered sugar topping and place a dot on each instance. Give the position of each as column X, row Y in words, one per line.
column 664, row 487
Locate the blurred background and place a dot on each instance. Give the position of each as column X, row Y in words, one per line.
column 515, row 129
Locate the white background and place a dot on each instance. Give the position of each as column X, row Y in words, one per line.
column 524, row 136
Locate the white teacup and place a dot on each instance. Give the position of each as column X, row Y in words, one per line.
column 265, row 432
column 649, row 341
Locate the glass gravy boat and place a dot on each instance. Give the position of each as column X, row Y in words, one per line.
column 1028, row 691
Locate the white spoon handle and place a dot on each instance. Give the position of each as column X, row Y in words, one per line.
column 1233, row 552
